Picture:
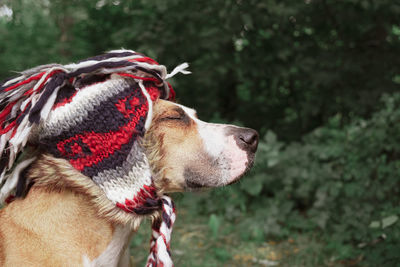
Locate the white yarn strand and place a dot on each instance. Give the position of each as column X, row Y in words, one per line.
column 22, row 133
column 49, row 104
column 179, row 69
column 150, row 112
column 11, row 181
column 13, row 80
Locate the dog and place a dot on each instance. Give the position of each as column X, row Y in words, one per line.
column 65, row 219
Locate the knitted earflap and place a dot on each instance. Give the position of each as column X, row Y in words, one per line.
column 92, row 114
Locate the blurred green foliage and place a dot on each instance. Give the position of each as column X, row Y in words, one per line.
column 308, row 75
column 342, row 182
column 282, row 65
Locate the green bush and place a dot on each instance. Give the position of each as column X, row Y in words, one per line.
column 340, row 182
column 272, row 64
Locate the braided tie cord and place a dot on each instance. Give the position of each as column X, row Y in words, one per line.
column 160, row 255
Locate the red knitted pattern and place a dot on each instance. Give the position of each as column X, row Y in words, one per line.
column 101, row 145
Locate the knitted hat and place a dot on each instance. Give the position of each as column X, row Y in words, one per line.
column 92, row 114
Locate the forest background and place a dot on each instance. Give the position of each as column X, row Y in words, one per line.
column 319, row 80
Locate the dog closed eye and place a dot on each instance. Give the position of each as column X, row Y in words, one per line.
column 174, row 117
column 177, row 115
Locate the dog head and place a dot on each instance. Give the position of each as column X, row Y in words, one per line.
column 186, row 153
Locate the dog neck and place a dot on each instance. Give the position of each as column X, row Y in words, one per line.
column 69, row 216
column 66, row 228
column 57, row 175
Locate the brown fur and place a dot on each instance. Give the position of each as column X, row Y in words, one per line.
column 56, row 175
column 50, row 228
column 176, row 140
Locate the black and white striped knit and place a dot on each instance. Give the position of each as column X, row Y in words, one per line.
column 92, row 114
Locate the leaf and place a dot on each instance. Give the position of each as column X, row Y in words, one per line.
column 253, row 186
column 248, row 21
column 396, row 79
column 396, row 30
column 272, row 162
column 222, row 254
column 388, row 221
column 374, row 224
column 270, row 137
column 214, row 223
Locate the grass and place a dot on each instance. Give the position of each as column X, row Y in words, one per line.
column 194, row 244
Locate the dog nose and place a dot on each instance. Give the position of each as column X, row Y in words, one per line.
column 249, row 139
